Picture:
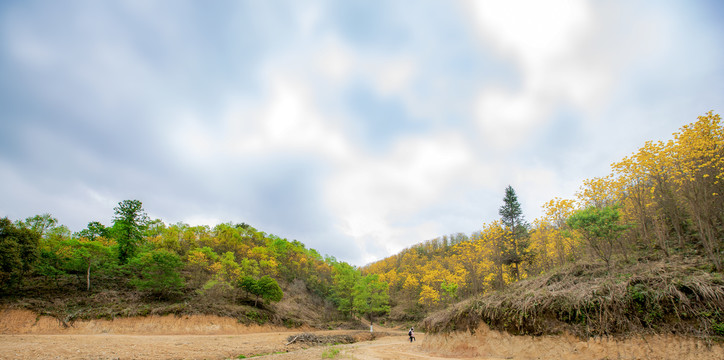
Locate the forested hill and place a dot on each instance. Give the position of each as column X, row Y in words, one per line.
column 663, row 204
column 139, row 266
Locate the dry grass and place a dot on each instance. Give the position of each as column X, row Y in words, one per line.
column 677, row 295
column 299, row 307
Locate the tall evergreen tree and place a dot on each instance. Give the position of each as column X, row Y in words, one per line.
column 129, row 223
column 515, row 242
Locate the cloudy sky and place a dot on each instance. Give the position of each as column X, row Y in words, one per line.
column 356, row 127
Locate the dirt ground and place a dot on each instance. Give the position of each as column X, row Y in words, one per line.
column 24, row 335
column 262, row 345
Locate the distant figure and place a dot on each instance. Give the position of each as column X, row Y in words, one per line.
column 412, row 334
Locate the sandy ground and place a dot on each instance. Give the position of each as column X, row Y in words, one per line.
column 26, row 336
column 272, row 345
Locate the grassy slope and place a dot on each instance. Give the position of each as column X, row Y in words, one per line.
column 679, row 295
column 69, row 302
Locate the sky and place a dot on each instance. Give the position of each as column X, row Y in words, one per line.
column 359, row 128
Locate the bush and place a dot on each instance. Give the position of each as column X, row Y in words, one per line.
column 157, row 271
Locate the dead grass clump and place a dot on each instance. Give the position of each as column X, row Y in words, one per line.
column 314, row 339
column 671, row 296
column 351, row 338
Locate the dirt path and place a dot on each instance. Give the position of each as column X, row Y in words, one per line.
column 194, row 347
column 272, row 346
column 396, row 347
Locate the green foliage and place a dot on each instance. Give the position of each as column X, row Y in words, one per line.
column 157, row 271
column 718, row 329
column 129, row 223
column 270, row 289
column 345, row 278
column 250, row 285
column 265, row 288
column 40, row 224
column 84, row 254
column 160, row 260
column 511, row 213
column 330, row 353
column 514, row 246
column 600, row 227
column 450, row 290
column 93, row 231
column 370, row 297
column 18, row 252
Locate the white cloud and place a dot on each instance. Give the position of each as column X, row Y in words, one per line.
column 569, row 54
column 374, row 197
column 543, row 39
column 533, row 32
column 286, row 121
column 335, row 60
column 507, row 118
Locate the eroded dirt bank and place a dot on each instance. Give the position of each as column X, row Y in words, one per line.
column 26, row 322
column 489, row 344
column 23, row 335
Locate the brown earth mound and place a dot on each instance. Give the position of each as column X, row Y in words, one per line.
column 15, row 321
column 491, row 344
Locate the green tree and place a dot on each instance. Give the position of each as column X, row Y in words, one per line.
column 250, row 286
column 41, row 224
column 85, row 254
column 157, row 271
column 600, row 228
column 371, row 298
column 344, row 278
column 270, row 289
column 93, row 231
column 18, row 251
column 514, row 244
column 265, row 288
column 129, row 222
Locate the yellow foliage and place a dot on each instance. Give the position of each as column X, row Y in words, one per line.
column 429, row 296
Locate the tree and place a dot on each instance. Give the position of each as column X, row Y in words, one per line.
column 93, row 231
column 515, row 242
column 250, row 286
column 270, row 290
column 86, row 253
column 370, row 297
column 18, row 251
column 41, row 224
column 600, row 228
column 157, row 271
column 129, row 223
column 265, row 288
column 345, row 276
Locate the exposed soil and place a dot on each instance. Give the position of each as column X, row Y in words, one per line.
column 491, row 344
column 23, row 335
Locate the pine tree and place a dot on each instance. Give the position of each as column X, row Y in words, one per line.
column 516, row 232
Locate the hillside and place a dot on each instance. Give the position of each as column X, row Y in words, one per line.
column 637, row 251
column 139, row 267
column 681, row 295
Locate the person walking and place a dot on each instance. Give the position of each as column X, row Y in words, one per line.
column 412, row 334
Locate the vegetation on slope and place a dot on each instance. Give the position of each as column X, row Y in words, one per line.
column 678, row 295
column 662, row 202
column 141, row 267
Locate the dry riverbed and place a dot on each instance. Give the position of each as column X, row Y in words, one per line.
column 26, row 336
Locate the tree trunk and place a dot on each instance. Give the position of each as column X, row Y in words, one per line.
column 88, row 277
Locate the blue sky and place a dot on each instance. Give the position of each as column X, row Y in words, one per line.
column 356, row 127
